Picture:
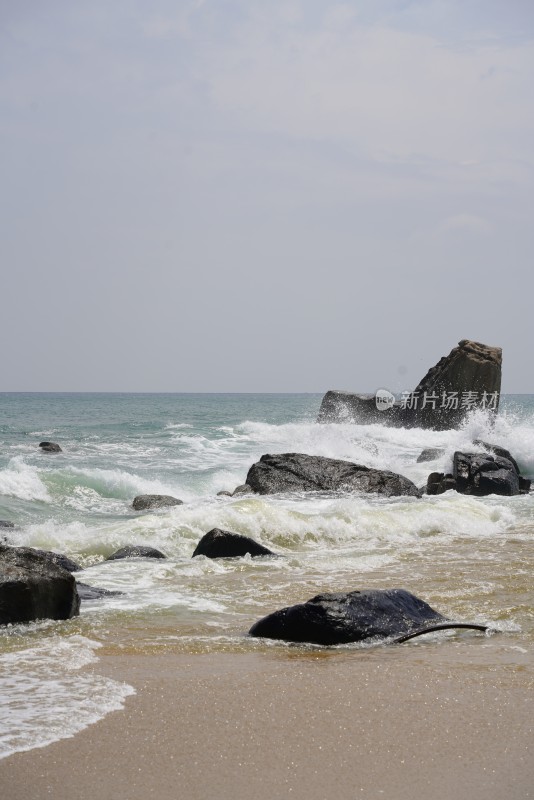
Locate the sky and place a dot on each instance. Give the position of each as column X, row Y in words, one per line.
column 263, row 195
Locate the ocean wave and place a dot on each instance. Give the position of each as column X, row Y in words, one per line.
column 23, row 481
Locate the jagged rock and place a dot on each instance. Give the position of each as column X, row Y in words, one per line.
column 331, row 619
column 469, row 377
column 50, row 447
column 225, row 544
column 87, row 592
column 33, row 587
column 430, row 454
column 290, row 472
column 481, row 474
column 136, row 551
column 60, row 560
column 145, row 501
column 497, row 451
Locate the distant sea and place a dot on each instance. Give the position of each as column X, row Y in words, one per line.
column 471, row 558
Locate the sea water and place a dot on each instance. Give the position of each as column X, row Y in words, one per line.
column 470, row 558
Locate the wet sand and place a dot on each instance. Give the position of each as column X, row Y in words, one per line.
column 389, row 724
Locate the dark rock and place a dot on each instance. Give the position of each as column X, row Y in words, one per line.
column 430, row 454
column 87, row 592
column 224, row 493
column 4, row 523
column 290, row 472
column 145, row 501
column 136, row 551
column 480, row 474
column 469, row 377
column 60, row 560
column 225, row 544
column 33, row 587
column 244, row 488
column 331, row 619
column 439, row 482
column 497, row 451
column 50, row 447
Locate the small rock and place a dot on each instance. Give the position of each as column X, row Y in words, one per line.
column 244, row 488
column 5, row 523
column 225, row 544
column 50, row 447
column 145, row 501
column 430, row 454
column 136, row 551
column 224, row 493
column 87, row 592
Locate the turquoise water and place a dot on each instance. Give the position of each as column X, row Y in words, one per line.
column 469, row 557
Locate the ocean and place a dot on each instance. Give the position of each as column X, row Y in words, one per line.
column 470, row 558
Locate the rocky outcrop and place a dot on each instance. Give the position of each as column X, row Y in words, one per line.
column 145, row 501
column 50, row 447
column 468, row 378
column 297, row 472
column 331, row 619
column 225, row 544
column 480, row 474
column 33, row 587
column 136, row 551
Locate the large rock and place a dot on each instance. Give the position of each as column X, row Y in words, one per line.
column 60, row 560
column 145, row 501
column 225, row 544
column 33, row 587
column 135, row 551
column 468, row 378
column 297, row 472
column 330, row 619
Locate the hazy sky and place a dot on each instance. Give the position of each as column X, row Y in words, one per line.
column 254, row 195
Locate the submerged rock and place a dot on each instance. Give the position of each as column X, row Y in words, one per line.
column 50, row 447
column 331, row 619
column 469, row 377
column 430, row 454
column 297, row 472
column 87, row 592
column 218, row 543
column 136, row 551
column 33, row 587
column 145, row 501
column 5, row 523
column 242, row 489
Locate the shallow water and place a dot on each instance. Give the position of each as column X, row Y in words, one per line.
column 471, row 558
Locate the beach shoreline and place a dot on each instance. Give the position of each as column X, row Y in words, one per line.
column 305, row 725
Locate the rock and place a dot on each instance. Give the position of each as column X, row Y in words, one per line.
column 469, row 377
column 430, row 454
column 224, row 493
column 244, row 488
column 497, row 451
column 33, row 587
column 331, row 619
column 480, row 474
column 60, row 560
column 50, row 447
column 145, row 501
column 135, row 551
column 4, row 523
column 438, row 482
column 225, row 544
column 87, row 592
column 296, row 472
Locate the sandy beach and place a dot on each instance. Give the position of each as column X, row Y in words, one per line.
column 381, row 724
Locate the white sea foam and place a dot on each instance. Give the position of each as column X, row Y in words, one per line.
column 21, row 480
column 44, row 697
